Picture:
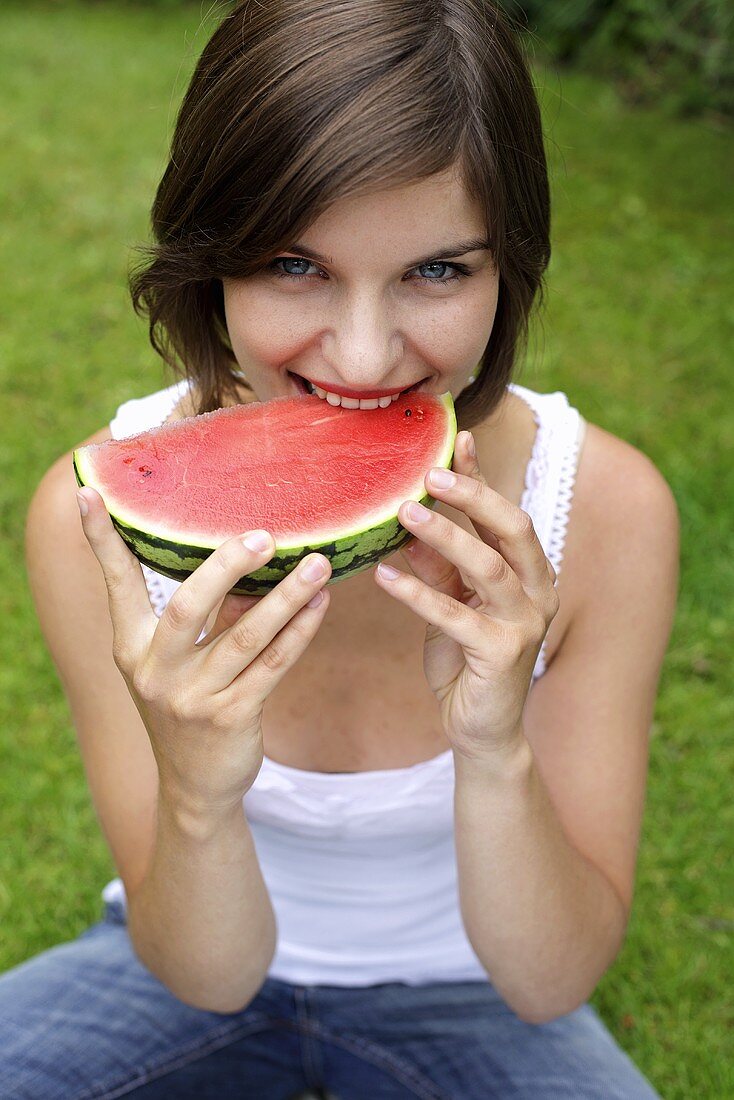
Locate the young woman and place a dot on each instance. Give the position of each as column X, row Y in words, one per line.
column 384, row 843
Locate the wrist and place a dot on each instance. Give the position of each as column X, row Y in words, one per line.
column 194, row 817
column 509, row 762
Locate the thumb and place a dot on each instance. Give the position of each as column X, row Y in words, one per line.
column 132, row 616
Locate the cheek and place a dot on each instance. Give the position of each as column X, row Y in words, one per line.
column 481, row 312
column 263, row 328
column 458, row 331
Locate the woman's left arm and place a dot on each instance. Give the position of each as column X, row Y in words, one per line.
column 547, row 816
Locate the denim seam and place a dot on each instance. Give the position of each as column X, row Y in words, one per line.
column 312, row 1068
column 405, row 1072
column 215, row 1040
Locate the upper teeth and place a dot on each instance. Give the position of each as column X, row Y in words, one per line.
column 352, row 402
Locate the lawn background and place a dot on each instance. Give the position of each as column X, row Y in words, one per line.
column 637, row 331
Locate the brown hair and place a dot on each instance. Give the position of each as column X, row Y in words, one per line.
column 296, row 103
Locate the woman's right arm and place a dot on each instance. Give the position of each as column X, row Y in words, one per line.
column 201, row 920
column 199, row 914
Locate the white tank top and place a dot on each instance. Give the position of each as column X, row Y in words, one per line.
column 361, row 867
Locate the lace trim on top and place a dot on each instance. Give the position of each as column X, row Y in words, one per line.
column 566, row 485
column 554, row 461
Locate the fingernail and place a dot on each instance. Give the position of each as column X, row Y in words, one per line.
column 470, row 445
column 387, row 571
column 82, row 502
column 442, row 479
column 313, row 569
column 257, row 540
column 418, row 513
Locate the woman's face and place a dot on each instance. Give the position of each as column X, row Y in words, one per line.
column 358, row 304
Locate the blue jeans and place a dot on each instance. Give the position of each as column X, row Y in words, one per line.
column 87, row 1020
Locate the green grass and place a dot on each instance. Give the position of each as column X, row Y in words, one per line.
column 638, row 333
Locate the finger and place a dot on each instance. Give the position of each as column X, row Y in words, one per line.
column 470, row 629
column 498, row 523
column 486, row 570
column 433, row 569
column 193, row 604
column 260, row 642
column 232, row 607
column 133, row 619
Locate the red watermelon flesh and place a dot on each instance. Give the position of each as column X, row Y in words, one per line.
column 317, row 476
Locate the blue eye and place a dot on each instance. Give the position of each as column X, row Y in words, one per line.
column 461, row 271
column 443, row 263
column 292, row 260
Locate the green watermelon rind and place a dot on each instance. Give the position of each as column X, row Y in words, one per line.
column 351, row 552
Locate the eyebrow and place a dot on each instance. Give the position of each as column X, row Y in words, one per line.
column 476, row 244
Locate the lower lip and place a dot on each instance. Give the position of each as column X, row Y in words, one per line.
column 303, row 388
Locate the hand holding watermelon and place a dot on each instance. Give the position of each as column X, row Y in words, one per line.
column 488, row 602
column 202, row 703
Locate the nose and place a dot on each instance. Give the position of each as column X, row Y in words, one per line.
column 363, row 345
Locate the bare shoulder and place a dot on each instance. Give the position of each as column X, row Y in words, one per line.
column 621, row 498
column 54, row 503
column 620, row 468
column 623, row 536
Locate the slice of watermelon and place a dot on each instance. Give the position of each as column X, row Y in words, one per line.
column 317, row 476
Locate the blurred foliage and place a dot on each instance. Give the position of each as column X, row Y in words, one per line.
column 675, row 53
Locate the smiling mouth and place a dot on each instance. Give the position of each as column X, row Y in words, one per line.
column 307, row 387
